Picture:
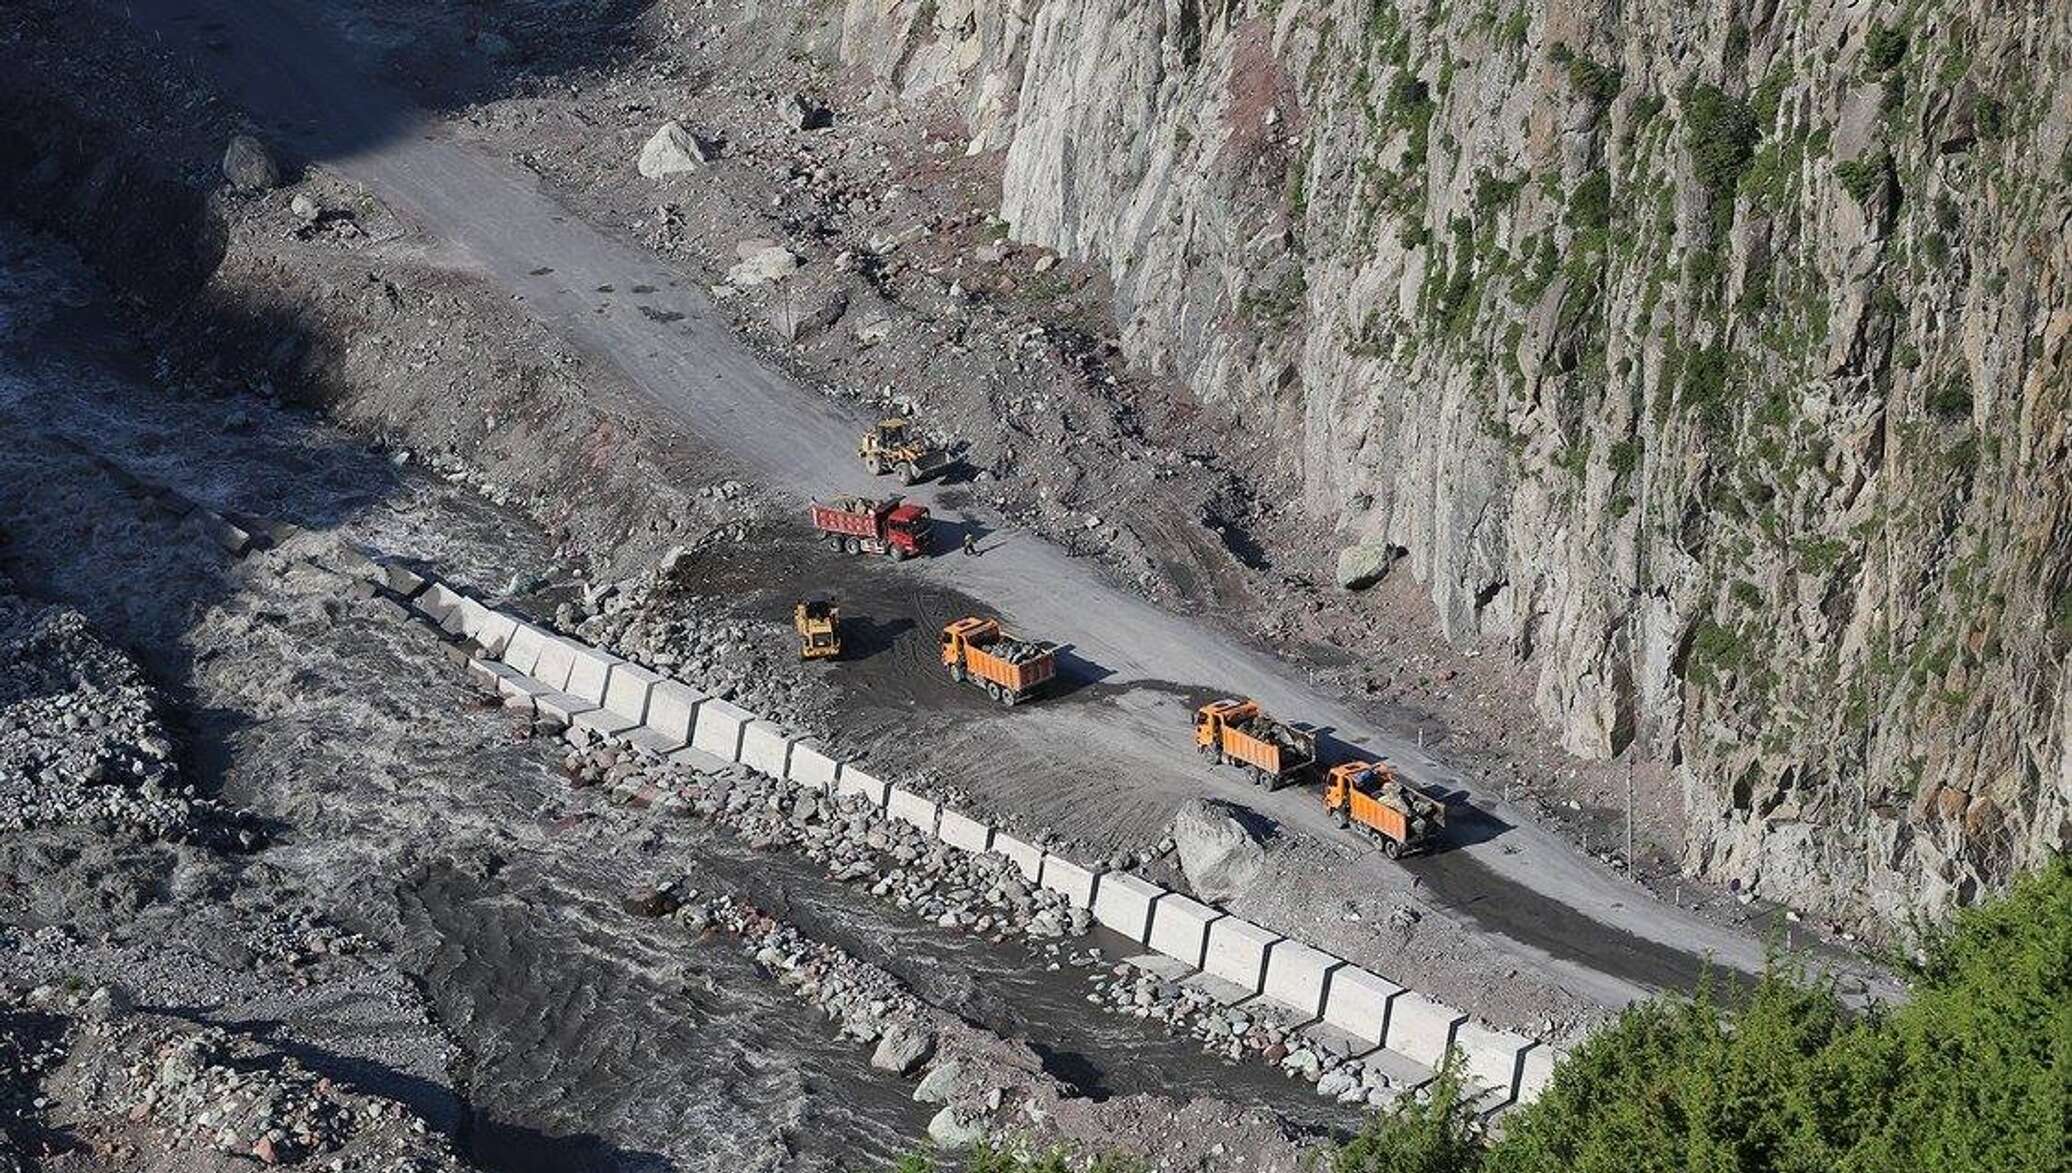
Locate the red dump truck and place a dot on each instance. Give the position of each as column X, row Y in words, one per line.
column 860, row 525
column 1370, row 796
column 1239, row 733
column 1008, row 668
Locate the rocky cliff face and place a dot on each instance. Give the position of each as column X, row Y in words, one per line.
column 1715, row 357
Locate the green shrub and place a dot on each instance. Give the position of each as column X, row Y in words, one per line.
column 1861, row 178
column 1951, row 398
column 1721, row 134
column 1884, row 48
column 1599, row 83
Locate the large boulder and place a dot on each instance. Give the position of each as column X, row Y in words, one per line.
column 761, row 263
column 1361, row 566
column 672, row 151
column 249, row 166
column 1219, row 852
column 953, row 1129
column 902, row 1049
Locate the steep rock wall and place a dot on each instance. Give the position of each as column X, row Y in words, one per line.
column 1714, row 357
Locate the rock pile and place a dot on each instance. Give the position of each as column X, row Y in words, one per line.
column 1234, row 1033
column 133, row 1087
column 853, row 840
column 80, row 738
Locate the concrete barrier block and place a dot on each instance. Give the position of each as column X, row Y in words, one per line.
column 521, row 692
column 437, row 601
column 227, row 533
column 855, row 781
column 467, row 616
column 1237, row 952
column 603, row 722
column 589, row 672
column 1076, row 882
column 811, row 767
column 1535, row 1071
column 1299, row 975
column 561, row 706
column 626, row 692
column 673, row 710
column 766, row 748
column 651, row 743
column 557, row 660
column 908, row 807
column 489, row 674
column 963, row 832
column 1358, row 1003
column 1180, row 927
column 1027, row 857
column 494, row 632
column 718, row 731
column 523, row 650
column 1421, row 1028
column 403, row 582
column 1492, row 1059
column 1123, row 903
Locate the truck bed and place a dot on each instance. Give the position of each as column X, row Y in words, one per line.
column 1012, row 663
column 1270, row 746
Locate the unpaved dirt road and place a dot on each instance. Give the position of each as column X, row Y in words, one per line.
column 1551, row 906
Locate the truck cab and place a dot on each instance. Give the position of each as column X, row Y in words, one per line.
column 909, row 530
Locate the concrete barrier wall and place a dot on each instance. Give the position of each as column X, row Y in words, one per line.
column 1075, row 882
column 718, row 731
column 590, row 670
column 531, row 667
column 1358, row 1003
column 1180, row 927
column 557, row 660
column 964, row 832
column 494, row 632
column 436, row 601
column 673, row 710
column 1493, row 1059
column 1421, row 1028
column 1123, row 903
column 766, row 748
column 403, row 582
column 1026, row 856
column 1535, row 1071
column 855, row 781
column 626, row 693
column 604, row 723
column 1237, row 952
column 811, row 767
column 908, row 807
column 1298, row 975
column 523, row 652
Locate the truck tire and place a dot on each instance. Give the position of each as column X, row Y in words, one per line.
column 1345, row 820
column 957, row 673
column 877, row 466
column 851, row 546
column 901, row 553
column 908, row 474
column 1391, row 848
column 1008, row 696
column 834, row 542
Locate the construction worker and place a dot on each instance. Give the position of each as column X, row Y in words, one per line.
column 970, row 545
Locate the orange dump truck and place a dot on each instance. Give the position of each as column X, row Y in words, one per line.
column 1239, row 733
column 1370, row 796
column 1008, row 668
